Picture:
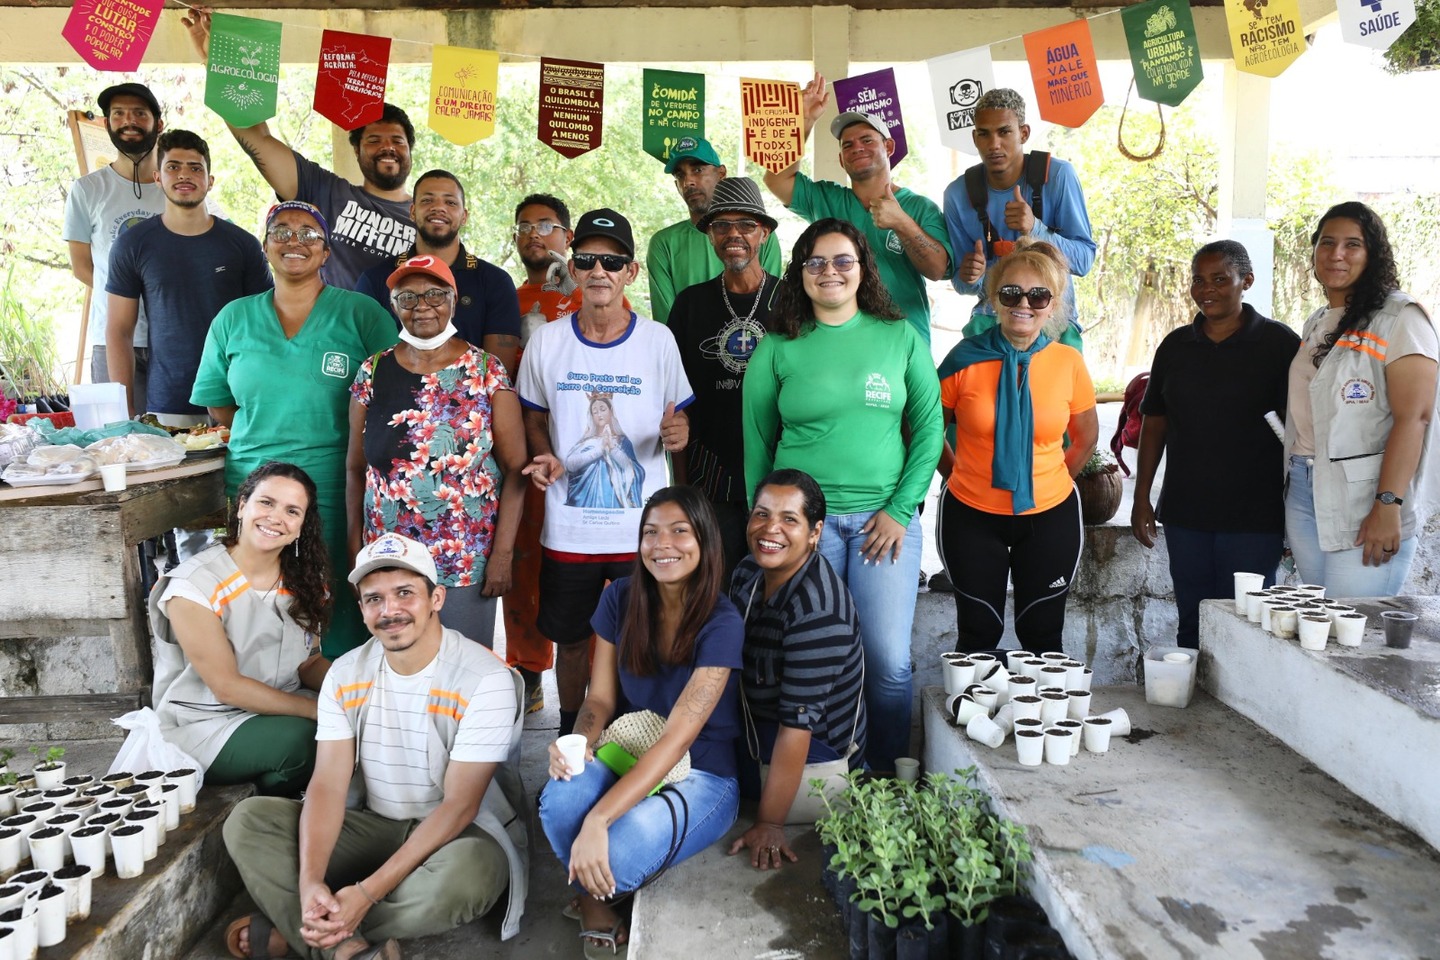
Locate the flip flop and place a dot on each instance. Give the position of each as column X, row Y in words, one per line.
column 571, row 910
column 607, row 948
column 389, row 950
column 260, row 929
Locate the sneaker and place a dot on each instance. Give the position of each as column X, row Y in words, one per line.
column 534, row 691
column 941, row 583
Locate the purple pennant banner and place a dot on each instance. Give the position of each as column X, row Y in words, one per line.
column 875, row 94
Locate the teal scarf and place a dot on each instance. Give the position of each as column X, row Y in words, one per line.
column 1013, row 465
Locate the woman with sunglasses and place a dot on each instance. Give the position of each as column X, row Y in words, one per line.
column 436, row 449
column 1010, row 511
column 277, row 370
column 832, row 393
column 1361, row 418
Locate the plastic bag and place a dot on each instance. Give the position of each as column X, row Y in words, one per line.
column 147, row 749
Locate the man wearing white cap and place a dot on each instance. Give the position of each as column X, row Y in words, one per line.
column 428, row 724
column 906, row 231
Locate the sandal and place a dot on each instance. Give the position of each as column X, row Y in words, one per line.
column 571, row 910
column 260, row 929
column 389, row 950
column 597, row 941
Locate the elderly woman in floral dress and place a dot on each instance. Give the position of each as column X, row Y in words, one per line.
column 436, row 449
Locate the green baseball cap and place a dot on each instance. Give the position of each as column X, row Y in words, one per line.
column 691, row 148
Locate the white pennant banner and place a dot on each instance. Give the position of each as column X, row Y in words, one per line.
column 956, row 81
column 1374, row 23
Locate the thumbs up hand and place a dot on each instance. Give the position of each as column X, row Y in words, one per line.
column 972, row 268
column 1018, row 214
column 674, row 429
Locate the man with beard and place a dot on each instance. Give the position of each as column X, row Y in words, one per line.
column 717, row 324
column 678, row 256
column 603, row 393
column 369, row 224
column 106, row 202
column 906, row 231
column 486, row 314
column 184, row 265
column 429, row 723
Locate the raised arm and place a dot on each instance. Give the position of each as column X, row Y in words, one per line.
column 814, row 98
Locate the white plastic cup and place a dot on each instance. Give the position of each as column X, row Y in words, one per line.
column 1055, row 655
column 572, row 751
column 1053, row 706
column 1078, row 706
column 1252, row 604
column 1097, row 734
column 117, row 804
column 90, row 843
column 1005, row 718
column 26, row 823
column 159, row 807
column 76, row 882
column 11, row 843
column 7, row 801
column 958, row 673
column 170, row 796
column 1021, row 685
column 1026, row 707
column 1030, row 747
column 149, row 823
column 50, row 916
column 982, row 729
column 1119, row 722
column 1031, row 667
column 1315, row 590
column 7, row 942
column 907, row 769
column 113, row 476
column 128, row 842
column 1314, row 632
column 1057, row 745
column 966, row 708
column 1244, row 583
column 185, row 780
column 119, row 780
column 1013, row 658
column 11, row 895
column 1350, row 629
column 1076, row 729
column 994, row 676
column 1284, row 621
column 987, row 698
column 1053, row 675
column 1267, row 607
column 47, row 848
column 25, row 932
column 1087, row 679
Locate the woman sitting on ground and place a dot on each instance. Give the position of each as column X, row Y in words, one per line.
column 669, row 643
column 237, row 636
column 804, row 675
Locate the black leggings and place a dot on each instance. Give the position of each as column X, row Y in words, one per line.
column 1039, row 552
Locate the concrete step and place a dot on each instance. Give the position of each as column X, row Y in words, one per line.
column 1369, row 716
column 1202, row 836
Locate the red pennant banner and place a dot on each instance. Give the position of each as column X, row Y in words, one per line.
column 572, row 105
column 350, row 79
column 111, row 34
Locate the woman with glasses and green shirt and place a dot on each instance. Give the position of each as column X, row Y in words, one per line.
column 832, row 392
column 277, row 370
column 1010, row 511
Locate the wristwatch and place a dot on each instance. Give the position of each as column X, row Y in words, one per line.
column 1388, row 498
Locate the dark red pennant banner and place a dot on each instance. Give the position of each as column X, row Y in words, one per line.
column 572, row 104
column 350, row 80
column 111, row 34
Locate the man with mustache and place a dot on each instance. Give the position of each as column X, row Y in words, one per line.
column 428, row 723
column 486, row 313
column 678, row 256
column 717, row 324
column 369, row 224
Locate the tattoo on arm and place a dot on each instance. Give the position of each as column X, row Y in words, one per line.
column 251, row 151
column 704, row 692
column 586, row 723
column 922, row 241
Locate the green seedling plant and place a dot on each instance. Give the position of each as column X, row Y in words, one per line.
column 6, row 755
column 51, row 758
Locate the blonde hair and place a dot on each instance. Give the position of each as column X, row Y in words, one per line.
column 1045, row 259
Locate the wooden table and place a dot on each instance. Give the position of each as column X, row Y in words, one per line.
column 69, row 567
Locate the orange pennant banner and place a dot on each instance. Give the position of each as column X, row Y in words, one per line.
column 770, row 116
column 1066, row 76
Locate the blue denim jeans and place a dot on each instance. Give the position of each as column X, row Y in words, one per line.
column 884, row 595
column 641, row 840
column 1342, row 572
column 1203, row 564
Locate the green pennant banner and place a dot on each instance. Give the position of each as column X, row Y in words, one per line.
column 243, row 79
column 674, row 110
column 1163, row 50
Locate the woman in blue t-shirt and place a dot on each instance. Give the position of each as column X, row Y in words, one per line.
column 670, row 644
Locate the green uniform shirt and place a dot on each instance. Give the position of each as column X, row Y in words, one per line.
column 818, row 199
column 831, row 401
column 681, row 256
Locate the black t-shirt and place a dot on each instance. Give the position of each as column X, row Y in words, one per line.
column 715, row 346
column 1224, row 468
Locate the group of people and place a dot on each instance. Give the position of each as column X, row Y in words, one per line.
column 714, row 519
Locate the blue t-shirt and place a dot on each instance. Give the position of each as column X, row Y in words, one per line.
column 183, row 282
column 487, row 306
column 717, row 645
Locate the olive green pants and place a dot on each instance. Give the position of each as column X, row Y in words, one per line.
column 275, row 753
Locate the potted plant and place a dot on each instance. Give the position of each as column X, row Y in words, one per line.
column 29, row 361
column 1100, row 488
column 49, row 767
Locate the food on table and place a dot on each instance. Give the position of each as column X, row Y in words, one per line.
column 203, row 438
column 135, row 448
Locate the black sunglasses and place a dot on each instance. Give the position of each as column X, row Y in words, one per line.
column 1010, row 296
column 612, row 262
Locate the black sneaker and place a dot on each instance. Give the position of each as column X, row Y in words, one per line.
column 941, row 583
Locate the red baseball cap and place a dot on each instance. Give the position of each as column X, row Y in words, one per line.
column 430, row 266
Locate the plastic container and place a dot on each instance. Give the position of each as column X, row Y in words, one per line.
column 1170, row 683
column 96, row 404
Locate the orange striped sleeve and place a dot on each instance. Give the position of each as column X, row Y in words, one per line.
column 360, row 691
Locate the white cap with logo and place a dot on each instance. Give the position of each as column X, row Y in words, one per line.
column 393, row 550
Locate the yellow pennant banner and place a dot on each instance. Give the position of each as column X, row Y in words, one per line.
column 1265, row 35
column 464, row 84
column 774, row 132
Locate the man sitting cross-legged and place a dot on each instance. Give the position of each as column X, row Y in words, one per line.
column 432, row 828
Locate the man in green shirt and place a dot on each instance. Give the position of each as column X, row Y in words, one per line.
column 906, row 231
column 680, row 255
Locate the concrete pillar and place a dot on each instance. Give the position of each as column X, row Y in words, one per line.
column 1244, row 164
column 342, row 156
column 830, row 43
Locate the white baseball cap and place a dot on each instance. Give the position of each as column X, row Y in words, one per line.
column 393, row 550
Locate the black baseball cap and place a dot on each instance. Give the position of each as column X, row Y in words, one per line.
column 128, row 90
column 604, row 223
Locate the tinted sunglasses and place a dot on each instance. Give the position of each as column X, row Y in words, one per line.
column 611, row 262
column 842, row 264
column 1010, row 296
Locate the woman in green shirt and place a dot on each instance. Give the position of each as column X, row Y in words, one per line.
column 834, row 392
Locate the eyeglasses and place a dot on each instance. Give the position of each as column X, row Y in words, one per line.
column 306, row 235
column 842, row 264
column 544, row 228
column 722, row 228
column 409, row 300
column 1010, row 295
column 611, row 262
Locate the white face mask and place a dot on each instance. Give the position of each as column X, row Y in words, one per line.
column 429, row 343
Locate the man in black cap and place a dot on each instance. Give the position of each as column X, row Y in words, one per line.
column 108, row 201
column 604, row 396
column 717, row 324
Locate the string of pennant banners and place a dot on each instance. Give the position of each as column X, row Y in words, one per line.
column 243, row 75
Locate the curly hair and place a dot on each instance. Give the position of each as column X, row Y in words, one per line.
column 794, row 313
column 305, row 569
column 1378, row 280
column 638, row 643
column 1045, row 259
column 389, row 114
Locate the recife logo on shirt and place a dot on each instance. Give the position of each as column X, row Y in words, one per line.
column 877, row 391
column 1357, row 391
column 893, row 244
column 335, row 365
